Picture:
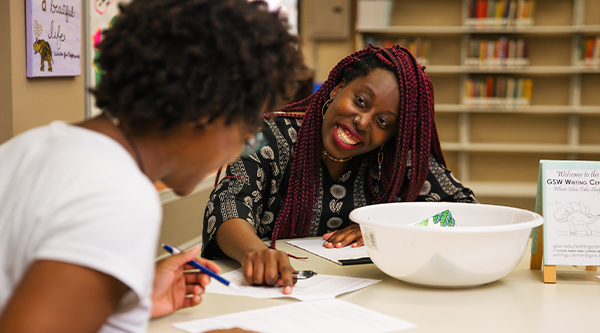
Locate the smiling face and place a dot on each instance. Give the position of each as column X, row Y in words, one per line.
column 363, row 114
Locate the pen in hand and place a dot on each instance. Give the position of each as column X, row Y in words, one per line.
column 174, row 250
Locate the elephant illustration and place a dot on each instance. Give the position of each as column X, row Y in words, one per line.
column 576, row 214
column 43, row 48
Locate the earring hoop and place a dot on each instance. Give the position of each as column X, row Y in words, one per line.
column 379, row 161
column 325, row 107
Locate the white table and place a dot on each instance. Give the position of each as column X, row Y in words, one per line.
column 519, row 302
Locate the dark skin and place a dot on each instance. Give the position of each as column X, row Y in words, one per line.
column 70, row 298
column 53, row 293
column 372, row 101
column 63, row 297
column 369, row 106
column 261, row 264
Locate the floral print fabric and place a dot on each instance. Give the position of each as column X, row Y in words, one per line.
column 253, row 189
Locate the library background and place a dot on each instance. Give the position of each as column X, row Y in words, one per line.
column 515, row 82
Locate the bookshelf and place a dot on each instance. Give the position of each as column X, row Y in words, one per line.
column 495, row 147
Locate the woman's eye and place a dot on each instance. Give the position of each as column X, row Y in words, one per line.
column 360, row 101
column 382, row 123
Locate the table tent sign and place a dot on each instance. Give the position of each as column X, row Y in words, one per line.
column 53, row 37
column 569, row 196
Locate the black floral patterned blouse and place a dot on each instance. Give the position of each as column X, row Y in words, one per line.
column 253, row 189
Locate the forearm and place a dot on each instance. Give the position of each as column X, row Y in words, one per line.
column 61, row 297
column 236, row 238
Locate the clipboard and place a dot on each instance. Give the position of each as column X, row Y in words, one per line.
column 344, row 256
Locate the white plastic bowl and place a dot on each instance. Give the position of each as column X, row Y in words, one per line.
column 486, row 244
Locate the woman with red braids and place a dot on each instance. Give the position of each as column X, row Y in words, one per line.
column 367, row 136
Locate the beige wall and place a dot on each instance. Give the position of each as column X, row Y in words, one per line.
column 27, row 103
column 182, row 220
column 5, row 73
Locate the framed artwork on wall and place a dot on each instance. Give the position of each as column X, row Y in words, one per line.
column 53, row 37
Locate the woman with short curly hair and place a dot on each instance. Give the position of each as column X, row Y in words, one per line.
column 367, row 136
column 173, row 65
column 184, row 87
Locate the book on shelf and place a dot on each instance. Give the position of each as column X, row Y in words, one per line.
column 497, row 53
column 486, row 14
column 419, row 47
column 499, row 91
column 588, row 50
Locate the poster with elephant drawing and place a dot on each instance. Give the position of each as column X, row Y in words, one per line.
column 53, row 37
column 571, row 209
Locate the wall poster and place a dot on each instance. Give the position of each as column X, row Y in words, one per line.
column 53, row 37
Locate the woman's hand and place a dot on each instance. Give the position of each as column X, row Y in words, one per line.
column 340, row 238
column 261, row 264
column 269, row 266
column 171, row 284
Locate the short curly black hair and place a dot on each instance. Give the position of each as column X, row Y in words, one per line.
column 167, row 62
column 364, row 67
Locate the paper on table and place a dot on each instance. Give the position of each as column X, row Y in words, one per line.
column 332, row 315
column 320, row 286
column 342, row 256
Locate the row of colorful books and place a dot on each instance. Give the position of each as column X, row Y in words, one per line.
column 589, row 51
column 419, row 47
column 499, row 13
column 498, row 90
column 497, row 53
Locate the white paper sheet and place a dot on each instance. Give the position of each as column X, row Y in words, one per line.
column 320, row 286
column 315, row 246
column 326, row 316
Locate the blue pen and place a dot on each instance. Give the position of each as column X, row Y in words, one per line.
column 174, row 250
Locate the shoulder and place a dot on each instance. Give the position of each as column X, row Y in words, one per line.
column 62, row 158
column 282, row 128
column 76, row 189
column 284, row 121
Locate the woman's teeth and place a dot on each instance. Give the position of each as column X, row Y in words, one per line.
column 346, row 137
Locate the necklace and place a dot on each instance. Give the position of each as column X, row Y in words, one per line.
column 339, row 160
column 115, row 121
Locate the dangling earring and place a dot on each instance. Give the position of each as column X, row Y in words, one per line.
column 325, row 107
column 379, row 160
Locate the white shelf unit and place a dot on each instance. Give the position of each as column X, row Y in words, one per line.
column 462, row 127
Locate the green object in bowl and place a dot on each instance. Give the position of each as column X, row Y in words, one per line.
column 444, row 218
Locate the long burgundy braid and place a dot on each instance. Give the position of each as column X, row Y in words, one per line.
column 417, row 134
